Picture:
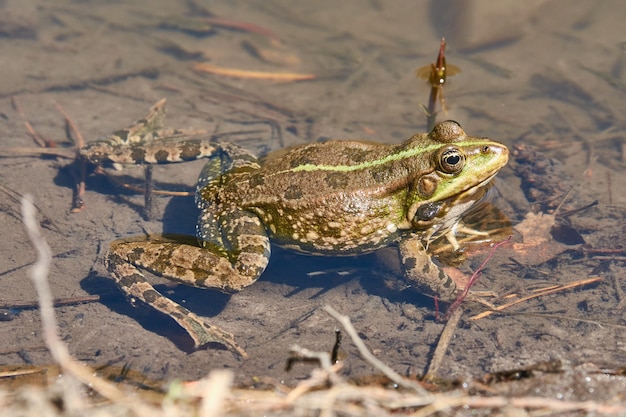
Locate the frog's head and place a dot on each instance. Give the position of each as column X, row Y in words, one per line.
column 459, row 168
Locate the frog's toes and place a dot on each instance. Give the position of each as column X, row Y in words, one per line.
column 204, row 333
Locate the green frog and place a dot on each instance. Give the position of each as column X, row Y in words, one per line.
column 332, row 198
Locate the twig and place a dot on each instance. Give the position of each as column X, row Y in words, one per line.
column 369, row 357
column 474, row 278
column 319, row 377
column 26, row 151
column 79, row 143
column 31, row 130
column 443, row 343
column 57, row 302
column 257, row 75
column 447, row 402
column 213, row 392
column 530, row 297
column 300, row 354
column 59, row 351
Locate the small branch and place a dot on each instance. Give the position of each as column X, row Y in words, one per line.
column 29, row 127
column 551, row 290
column 57, row 302
column 474, row 278
column 26, row 151
column 443, row 343
column 369, row 357
column 79, row 141
column 58, row 350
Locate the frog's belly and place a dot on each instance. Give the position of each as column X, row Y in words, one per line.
column 346, row 224
column 336, row 238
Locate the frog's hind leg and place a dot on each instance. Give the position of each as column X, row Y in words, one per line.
column 185, row 263
column 227, row 264
column 134, row 284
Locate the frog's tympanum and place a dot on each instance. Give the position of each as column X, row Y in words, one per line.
column 333, row 198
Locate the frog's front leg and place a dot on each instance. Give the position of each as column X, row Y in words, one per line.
column 420, row 270
column 191, row 265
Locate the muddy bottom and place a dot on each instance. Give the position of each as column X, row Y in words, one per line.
column 544, row 91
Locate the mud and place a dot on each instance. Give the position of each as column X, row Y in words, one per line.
column 554, row 80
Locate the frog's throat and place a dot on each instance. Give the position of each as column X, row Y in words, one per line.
column 410, row 215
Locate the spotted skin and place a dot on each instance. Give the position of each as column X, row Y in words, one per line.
column 333, row 198
column 147, row 141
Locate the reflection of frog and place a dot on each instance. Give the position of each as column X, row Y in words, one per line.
column 331, row 198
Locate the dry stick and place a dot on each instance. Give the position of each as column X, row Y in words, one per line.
column 59, row 351
column 454, row 316
column 446, row 402
column 141, row 190
column 57, row 302
column 79, row 143
column 443, row 343
column 78, row 203
column 474, row 278
column 576, row 319
column 26, row 151
column 258, row 75
column 214, row 391
column 530, row 297
column 369, row 357
column 319, row 377
column 31, row 131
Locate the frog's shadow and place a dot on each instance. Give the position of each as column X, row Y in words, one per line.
column 152, row 320
column 102, row 184
column 285, row 268
column 210, row 303
column 326, row 274
column 299, row 271
column 179, row 217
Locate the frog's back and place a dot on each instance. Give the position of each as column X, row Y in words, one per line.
column 340, row 152
column 327, row 170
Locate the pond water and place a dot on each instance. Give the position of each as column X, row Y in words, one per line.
column 546, row 78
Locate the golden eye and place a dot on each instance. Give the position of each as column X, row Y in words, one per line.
column 451, row 160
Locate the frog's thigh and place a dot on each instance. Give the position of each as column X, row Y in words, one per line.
column 422, row 271
column 191, row 265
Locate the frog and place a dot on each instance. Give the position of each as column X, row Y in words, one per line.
column 324, row 198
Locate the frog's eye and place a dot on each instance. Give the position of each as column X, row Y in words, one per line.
column 451, row 160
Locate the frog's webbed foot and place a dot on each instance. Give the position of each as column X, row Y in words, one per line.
column 201, row 332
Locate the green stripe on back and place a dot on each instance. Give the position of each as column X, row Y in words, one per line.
column 408, row 153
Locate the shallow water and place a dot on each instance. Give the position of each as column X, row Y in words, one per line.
column 548, row 74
